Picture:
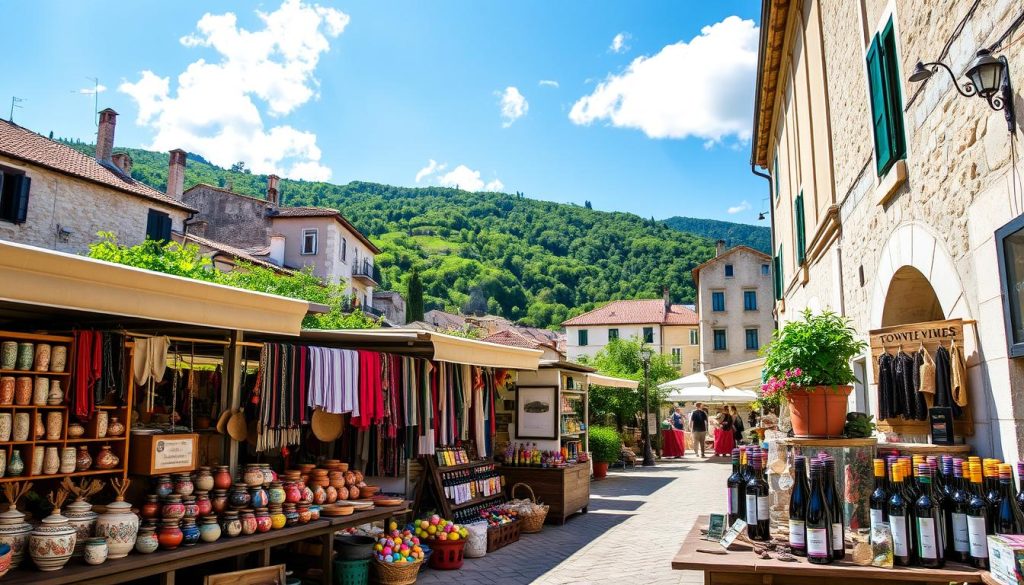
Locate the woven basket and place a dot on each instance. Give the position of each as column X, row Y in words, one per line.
column 392, row 574
column 532, row 523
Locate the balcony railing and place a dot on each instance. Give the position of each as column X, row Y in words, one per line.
column 364, row 272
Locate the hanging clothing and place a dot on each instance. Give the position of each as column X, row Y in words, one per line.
column 371, row 400
column 150, row 359
column 959, row 375
column 924, row 375
column 887, row 407
column 88, row 369
column 915, row 408
column 943, row 382
column 333, row 380
column 113, row 367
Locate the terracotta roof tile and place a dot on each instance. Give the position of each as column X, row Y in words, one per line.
column 643, row 311
column 512, row 339
column 27, row 146
column 233, row 251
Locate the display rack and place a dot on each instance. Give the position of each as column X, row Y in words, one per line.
column 430, row 491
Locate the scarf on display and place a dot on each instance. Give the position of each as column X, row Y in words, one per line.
column 88, row 369
column 281, row 396
column 333, row 380
column 112, row 380
column 371, row 399
column 924, row 375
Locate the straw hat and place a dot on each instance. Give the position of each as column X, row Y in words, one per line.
column 222, row 421
column 237, row 429
column 327, row 426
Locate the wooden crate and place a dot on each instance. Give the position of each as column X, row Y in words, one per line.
column 156, row 454
column 503, row 535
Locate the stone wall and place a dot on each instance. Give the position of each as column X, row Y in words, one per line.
column 232, row 218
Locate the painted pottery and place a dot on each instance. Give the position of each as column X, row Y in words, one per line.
column 51, row 542
column 332, row 494
column 189, row 532
column 58, row 358
column 239, row 496
column 68, row 460
column 276, row 495
column 81, row 517
column 302, row 509
column 54, row 425
column 277, row 518
column 258, row 497
column 56, row 396
column 209, row 529
column 23, row 391
column 263, row 522
column 114, row 427
column 120, row 526
column 292, row 493
column 173, row 508
column 230, row 525
column 38, row 460
column 222, row 478
column 314, row 513
column 6, row 420
column 5, row 559
column 51, row 461
column 146, row 541
column 169, row 535
column 14, row 532
column 40, row 391
column 96, row 550
column 26, row 353
column 183, row 484
column 102, row 420
column 3, row 462
column 8, row 355
column 319, row 495
column 203, row 505
column 307, row 493
column 163, row 486
column 191, row 508
column 253, row 476
column 39, row 429
column 151, row 509
column 268, row 473
column 83, row 461
column 203, row 479
column 291, row 516
column 75, row 430
column 41, row 361
column 16, row 466
column 219, row 501
column 106, row 459
column 248, row 520
column 6, row 390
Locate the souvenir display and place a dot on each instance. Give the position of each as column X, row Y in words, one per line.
column 96, row 550
column 79, row 512
column 118, row 524
column 52, row 542
column 14, row 531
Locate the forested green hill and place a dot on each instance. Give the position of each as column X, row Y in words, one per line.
column 734, row 234
column 536, row 261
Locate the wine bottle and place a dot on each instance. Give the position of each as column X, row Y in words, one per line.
column 929, row 521
column 978, row 522
column 736, row 490
column 798, row 508
column 958, row 547
column 835, row 502
column 878, row 503
column 1008, row 518
column 757, row 510
column 902, row 543
column 818, row 519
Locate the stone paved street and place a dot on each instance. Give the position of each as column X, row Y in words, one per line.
column 635, row 526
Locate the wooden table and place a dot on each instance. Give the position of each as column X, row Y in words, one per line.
column 165, row 563
column 565, row 489
column 740, row 566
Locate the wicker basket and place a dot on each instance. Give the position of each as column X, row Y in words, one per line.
column 392, row 574
column 532, row 523
column 502, row 535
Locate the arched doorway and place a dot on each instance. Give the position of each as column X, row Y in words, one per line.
column 910, row 299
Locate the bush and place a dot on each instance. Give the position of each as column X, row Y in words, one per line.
column 605, row 444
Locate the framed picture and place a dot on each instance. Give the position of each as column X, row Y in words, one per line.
column 537, row 412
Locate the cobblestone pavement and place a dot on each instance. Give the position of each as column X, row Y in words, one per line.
column 636, row 524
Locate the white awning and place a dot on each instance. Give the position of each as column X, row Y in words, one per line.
column 697, row 388
column 740, row 375
column 610, row 382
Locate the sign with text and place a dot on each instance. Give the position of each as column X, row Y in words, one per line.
column 173, row 453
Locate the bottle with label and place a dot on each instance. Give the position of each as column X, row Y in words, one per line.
column 757, row 509
column 835, row 503
column 798, row 508
column 735, row 498
column 978, row 522
column 990, row 473
column 818, row 519
column 959, row 545
column 902, row 542
column 1008, row 518
column 878, row 503
column 929, row 521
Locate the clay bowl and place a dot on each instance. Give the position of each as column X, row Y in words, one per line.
column 387, row 501
column 305, row 467
column 368, row 491
column 318, row 473
column 336, row 510
column 343, row 467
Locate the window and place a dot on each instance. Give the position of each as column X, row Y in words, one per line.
column 720, row 344
column 728, row 270
column 801, row 233
column 14, row 188
column 752, row 341
column 886, row 101
column 775, row 174
column 309, row 242
column 613, row 334
column 694, row 337
column 582, row 337
column 677, row 356
column 158, row 226
column 777, row 281
column 750, row 300
column 648, row 334
column 766, row 270
column 344, row 249
column 718, row 301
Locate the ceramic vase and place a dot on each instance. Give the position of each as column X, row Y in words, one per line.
column 51, row 461
column 6, row 420
column 151, row 509
column 292, row 493
column 68, row 460
column 203, row 479
column 58, row 359
column 332, row 494
column 263, row 522
column 203, row 505
column 120, row 526
column 209, row 529
column 268, row 473
column 191, row 508
column 15, row 466
column 163, row 486
column 290, row 515
column 146, row 541
column 41, row 360
column 26, row 352
column 51, row 543
column 54, row 425
column 314, row 513
column 239, row 496
column 83, row 461
column 222, row 478
column 41, row 391
column 38, row 460
column 302, row 509
column 96, row 550
column 189, row 532
column 173, row 508
column 101, row 424
column 81, row 517
column 277, row 518
column 114, row 427
column 219, row 501
column 183, row 484
column 230, row 525
column 253, row 476
column 23, row 391
column 258, row 497
column 319, row 495
column 106, row 459
column 3, row 462
column 169, row 535
column 8, row 355
column 75, row 430
column 275, row 495
column 39, row 428
column 56, row 396
column 248, row 521
column 14, row 532
column 7, row 384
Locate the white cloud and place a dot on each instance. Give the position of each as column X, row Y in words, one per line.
column 431, row 168
column 495, row 185
column 548, row 83
column 702, row 88
column 513, row 106
column 100, row 88
column 619, row 43
column 217, row 109
column 743, row 206
column 461, row 177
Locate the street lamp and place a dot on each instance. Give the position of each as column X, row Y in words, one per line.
column 645, row 355
column 989, row 78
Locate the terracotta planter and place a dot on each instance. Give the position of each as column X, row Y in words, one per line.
column 819, row 411
column 600, row 470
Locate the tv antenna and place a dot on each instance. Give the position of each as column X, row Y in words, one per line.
column 14, row 104
column 95, row 98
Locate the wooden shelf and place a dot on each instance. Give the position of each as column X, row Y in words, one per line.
column 32, row 373
column 469, row 465
column 108, row 407
column 91, row 440
column 61, row 475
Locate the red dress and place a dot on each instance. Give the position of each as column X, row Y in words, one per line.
column 724, row 439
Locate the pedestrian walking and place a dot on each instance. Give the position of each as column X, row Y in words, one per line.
column 699, row 428
column 737, row 425
column 724, row 439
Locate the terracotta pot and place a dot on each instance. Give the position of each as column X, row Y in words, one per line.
column 291, row 516
column 163, row 486
column 268, row 474
column 51, row 543
column 75, row 430
column 121, row 527
column 173, row 508
column 248, row 520
column 222, row 478
column 106, row 459
column 189, row 532
column 332, row 494
column 292, row 493
column 203, row 505
column 23, row 391
column 40, row 391
column 151, row 509
column 219, row 501
column 41, row 363
column 203, row 479
column 54, row 425
column 230, row 525
column 14, row 531
column 277, row 518
column 58, row 358
column 191, row 507
column 51, row 461
column 83, row 461
column 146, row 541
column 7, row 390
column 8, row 355
column 253, row 476
column 302, row 509
column 81, row 517
column 600, row 470
column 183, row 484
column 263, row 522
column 238, row 497
column 819, row 411
column 114, row 427
column 169, row 535
column 39, row 428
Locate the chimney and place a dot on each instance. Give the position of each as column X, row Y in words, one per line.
column 105, row 135
column 272, row 196
column 668, row 302
column 176, row 174
column 277, row 249
column 123, row 161
column 719, row 247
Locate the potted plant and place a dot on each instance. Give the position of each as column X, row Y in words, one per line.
column 605, row 444
column 807, row 365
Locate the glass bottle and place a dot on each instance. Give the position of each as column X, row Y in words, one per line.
column 818, row 520
column 878, row 503
column 735, row 490
column 836, row 506
column 902, row 541
column 798, row 508
column 958, row 546
column 757, row 509
column 1008, row 518
column 978, row 521
column 930, row 530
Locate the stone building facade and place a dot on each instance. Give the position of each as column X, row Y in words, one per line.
column 910, row 240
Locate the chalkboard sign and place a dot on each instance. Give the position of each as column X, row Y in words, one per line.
column 941, row 419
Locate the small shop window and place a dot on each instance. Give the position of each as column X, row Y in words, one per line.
column 753, row 343
column 582, row 337
column 158, row 226
column 718, row 301
column 720, row 341
column 648, row 334
column 694, row 337
column 766, row 270
column 14, row 190
column 309, row 242
column 728, row 271
column 750, row 300
column 613, row 334
column 886, row 101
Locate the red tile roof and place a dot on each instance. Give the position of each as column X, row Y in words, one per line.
column 512, row 339
column 27, row 146
column 629, row 312
column 237, row 253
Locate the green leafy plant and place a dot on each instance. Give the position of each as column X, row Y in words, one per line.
column 859, row 425
column 605, row 444
column 621, row 358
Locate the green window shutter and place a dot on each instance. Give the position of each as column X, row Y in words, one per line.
column 801, row 230
column 775, row 174
column 778, row 274
column 879, row 107
column 894, row 97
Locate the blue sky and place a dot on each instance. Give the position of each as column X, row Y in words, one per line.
column 656, row 122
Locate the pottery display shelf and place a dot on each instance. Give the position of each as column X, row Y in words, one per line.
column 118, row 445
